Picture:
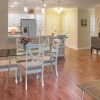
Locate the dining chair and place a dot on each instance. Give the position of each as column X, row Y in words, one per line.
column 51, row 59
column 19, row 46
column 7, row 63
column 45, row 40
column 34, row 61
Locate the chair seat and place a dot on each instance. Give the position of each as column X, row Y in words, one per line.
column 22, row 59
column 7, row 67
column 95, row 47
column 34, row 63
column 33, row 68
column 48, row 59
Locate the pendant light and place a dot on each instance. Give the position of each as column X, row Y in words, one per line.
column 25, row 7
column 43, row 6
column 43, row 10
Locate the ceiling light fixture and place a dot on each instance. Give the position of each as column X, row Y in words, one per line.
column 37, row 8
column 59, row 9
column 25, row 7
column 15, row 2
column 43, row 6
column 43, row 10
column 12, row 6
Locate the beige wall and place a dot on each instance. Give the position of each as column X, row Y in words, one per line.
column 53, row 22
column 4, row 42
column 97, row 16
column 79, row 37
column 84, row 31
column 65, row 22
column 70, row 26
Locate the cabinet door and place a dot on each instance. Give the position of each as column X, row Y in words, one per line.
column 13, row 20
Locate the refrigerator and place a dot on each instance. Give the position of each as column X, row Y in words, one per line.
column 29, row 27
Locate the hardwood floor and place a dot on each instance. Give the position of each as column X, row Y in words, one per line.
column 77, row 68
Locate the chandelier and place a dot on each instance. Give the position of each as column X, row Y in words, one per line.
column 59, row 9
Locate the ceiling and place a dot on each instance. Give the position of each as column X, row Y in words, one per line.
column 53, row 3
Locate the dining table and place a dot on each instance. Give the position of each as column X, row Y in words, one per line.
column 13, row 53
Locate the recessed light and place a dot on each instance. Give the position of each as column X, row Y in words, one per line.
column 15, row 2
column 12, row 6
column 37, row 7
column 44, row 5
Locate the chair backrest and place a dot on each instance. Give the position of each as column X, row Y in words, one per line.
column 34, row 52
column 19, row 45
column 45, row 40
column 95, row 42
column 55, row 47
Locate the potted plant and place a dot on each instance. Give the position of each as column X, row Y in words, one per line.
column 24, row 41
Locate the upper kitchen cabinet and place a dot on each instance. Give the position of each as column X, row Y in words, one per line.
column 14, row 18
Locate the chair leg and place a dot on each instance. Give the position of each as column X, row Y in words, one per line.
column 42, row 78
column 7, row 80
column 97, row 51
column 20, row 74
column 56, row 69
column 82, row 98
column 16, row 81
column 91, row 50
column 37, row 76
column 4, row 78
column 52, row 65
column 5, row 83
column 26, row 82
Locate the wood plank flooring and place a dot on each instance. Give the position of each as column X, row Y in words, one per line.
column 77, row 68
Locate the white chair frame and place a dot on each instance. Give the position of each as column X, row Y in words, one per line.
column 53, row 56
column 30, row 67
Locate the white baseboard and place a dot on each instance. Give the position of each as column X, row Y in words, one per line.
column 78, row 48
column 71, row 47
column 84, row 48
